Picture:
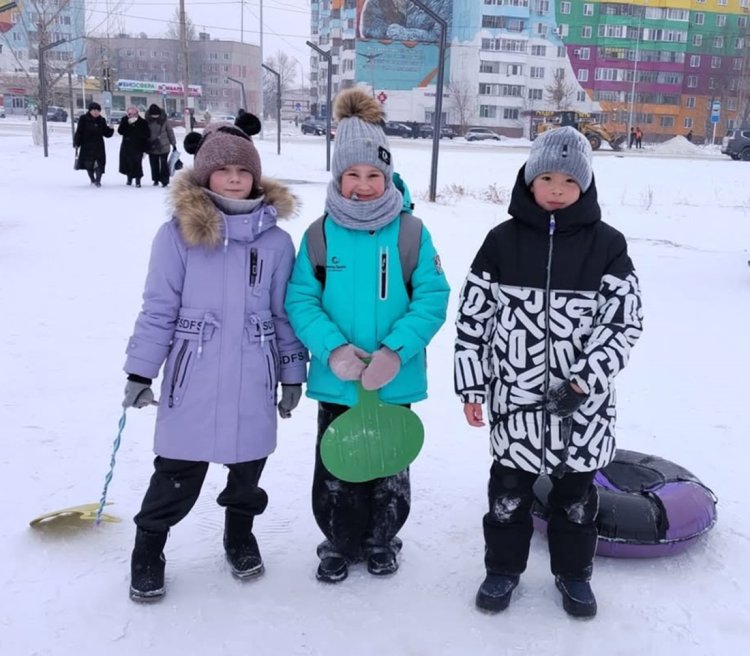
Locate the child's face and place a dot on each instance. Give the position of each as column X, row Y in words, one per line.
column 555, row 191
column 231, row 181
column 362, row 182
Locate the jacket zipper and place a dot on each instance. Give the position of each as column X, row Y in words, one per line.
column 176, row 374
column 253, row 266
column 383, row 273
column 547, row 308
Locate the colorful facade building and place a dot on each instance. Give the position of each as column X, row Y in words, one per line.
column 667, row 66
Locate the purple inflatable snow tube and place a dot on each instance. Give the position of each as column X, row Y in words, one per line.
column 648, row 507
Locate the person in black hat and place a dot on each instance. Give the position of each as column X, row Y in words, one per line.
column 89, row 139
column 161, row 136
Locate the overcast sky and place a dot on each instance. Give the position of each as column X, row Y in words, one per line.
column 286, row 23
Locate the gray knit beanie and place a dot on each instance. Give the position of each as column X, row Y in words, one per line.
column 562, row 150
column 360, row 138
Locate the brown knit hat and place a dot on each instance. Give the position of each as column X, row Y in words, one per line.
column 224, row 144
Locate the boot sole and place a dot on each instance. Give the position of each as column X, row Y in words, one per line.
column 332, row 578
column 245, row 574
column 148, row 597
column 492, row 604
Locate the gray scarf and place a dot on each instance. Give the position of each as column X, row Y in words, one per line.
column 234, row 205
column 363, row 214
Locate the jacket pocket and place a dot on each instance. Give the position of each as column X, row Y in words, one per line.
column 178, row 375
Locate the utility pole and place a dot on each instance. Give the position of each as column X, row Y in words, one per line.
column 262, row 61
column 185, row 72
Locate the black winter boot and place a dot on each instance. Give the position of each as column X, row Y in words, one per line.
column 577, row 597
column 332, row 569
column 147, row 566
column 241, row 546
column 382, row 563
column 494, row 593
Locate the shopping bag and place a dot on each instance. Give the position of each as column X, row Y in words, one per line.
column 76, row 163
column 174, row 162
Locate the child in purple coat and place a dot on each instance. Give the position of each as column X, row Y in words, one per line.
column 213, row 315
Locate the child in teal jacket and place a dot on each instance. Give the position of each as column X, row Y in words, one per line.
column 361, row 323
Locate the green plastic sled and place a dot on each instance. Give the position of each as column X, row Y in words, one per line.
column 371, row 440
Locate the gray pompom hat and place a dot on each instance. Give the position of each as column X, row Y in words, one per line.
column 561, row 150
column 360, row 138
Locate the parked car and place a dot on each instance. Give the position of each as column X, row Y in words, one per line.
column 736, row 144
column 426, row 132
column 392, row 128
column 116, row 115
column 481, row 134
column 56, row 114
column 316, row 126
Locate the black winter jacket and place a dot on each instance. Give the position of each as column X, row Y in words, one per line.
column 89, row 138
column 550, row 297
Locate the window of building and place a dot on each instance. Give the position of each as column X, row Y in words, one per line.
column 700, row 17
column 581, row 96
column 510, row 113
column 488, row 111
column 583, row 75
column 697, row 39
column 536, row 72
column 687, row 123
column 715, row 62
column 692, row 81
column 584, row 53
column 538, row 51
column 515, row 69
column 666, row 121
column 565, row 7
column 586, row 32
column 718, row 42
column 536, row 94
column 588, row 9
column 721, row 20
column 695, row 61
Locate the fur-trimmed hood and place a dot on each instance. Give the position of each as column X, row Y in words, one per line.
column 201, row 223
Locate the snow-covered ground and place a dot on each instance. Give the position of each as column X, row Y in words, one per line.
column 72, row 264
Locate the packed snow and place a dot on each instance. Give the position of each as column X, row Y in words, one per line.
column 73, row 261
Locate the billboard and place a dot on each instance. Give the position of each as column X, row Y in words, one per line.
column 6, row 22
column 397, row 43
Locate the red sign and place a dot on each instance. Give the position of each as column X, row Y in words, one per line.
column 382, row 97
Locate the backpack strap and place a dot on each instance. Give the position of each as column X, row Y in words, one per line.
column 316, row 248
column 409, row 241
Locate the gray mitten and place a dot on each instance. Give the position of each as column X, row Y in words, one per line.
column 383, row 368
column 290, row 396
column 346, row 362
column 137, row 395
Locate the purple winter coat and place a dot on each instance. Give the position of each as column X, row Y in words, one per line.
column 214, row 310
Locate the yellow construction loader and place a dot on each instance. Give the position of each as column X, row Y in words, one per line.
column 594, row 131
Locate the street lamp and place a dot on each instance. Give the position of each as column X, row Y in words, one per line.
column 635, row 74
column 438, row 119
column 327, row 56
column 43, row 89
column 278, row 107
column 70, row 91
column 371, row 57
column 242, row 89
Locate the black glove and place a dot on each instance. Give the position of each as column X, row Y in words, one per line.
column 562, row 400
column 290, row 396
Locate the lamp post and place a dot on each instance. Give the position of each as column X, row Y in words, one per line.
column 278, row 107
column 438, row 118
column 635, row 75
column 242, row 89
column 327, row 56
column 72, row 102
column 371, row 57
column 43, row 89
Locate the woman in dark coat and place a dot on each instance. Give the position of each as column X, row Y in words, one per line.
column 134, row 131
column 89, row 138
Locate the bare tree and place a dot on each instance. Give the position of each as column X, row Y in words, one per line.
column 173, row 29
column 463, row 101
column 560, row 93
column 285, row 66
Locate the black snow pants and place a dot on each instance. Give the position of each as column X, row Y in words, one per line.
column 159, row 168
column 176, row 484
column 357, row 519
column 571, row 527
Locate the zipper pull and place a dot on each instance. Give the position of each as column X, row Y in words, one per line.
column 552, row 224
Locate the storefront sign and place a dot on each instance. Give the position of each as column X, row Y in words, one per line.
column 162, row 88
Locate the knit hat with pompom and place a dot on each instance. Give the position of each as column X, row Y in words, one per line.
column 360, row 138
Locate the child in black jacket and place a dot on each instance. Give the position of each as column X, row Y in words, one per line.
column 547, row 317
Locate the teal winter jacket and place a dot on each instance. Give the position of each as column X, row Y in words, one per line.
column 365, row 302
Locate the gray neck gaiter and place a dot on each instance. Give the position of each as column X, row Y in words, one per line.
column 363, row 215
